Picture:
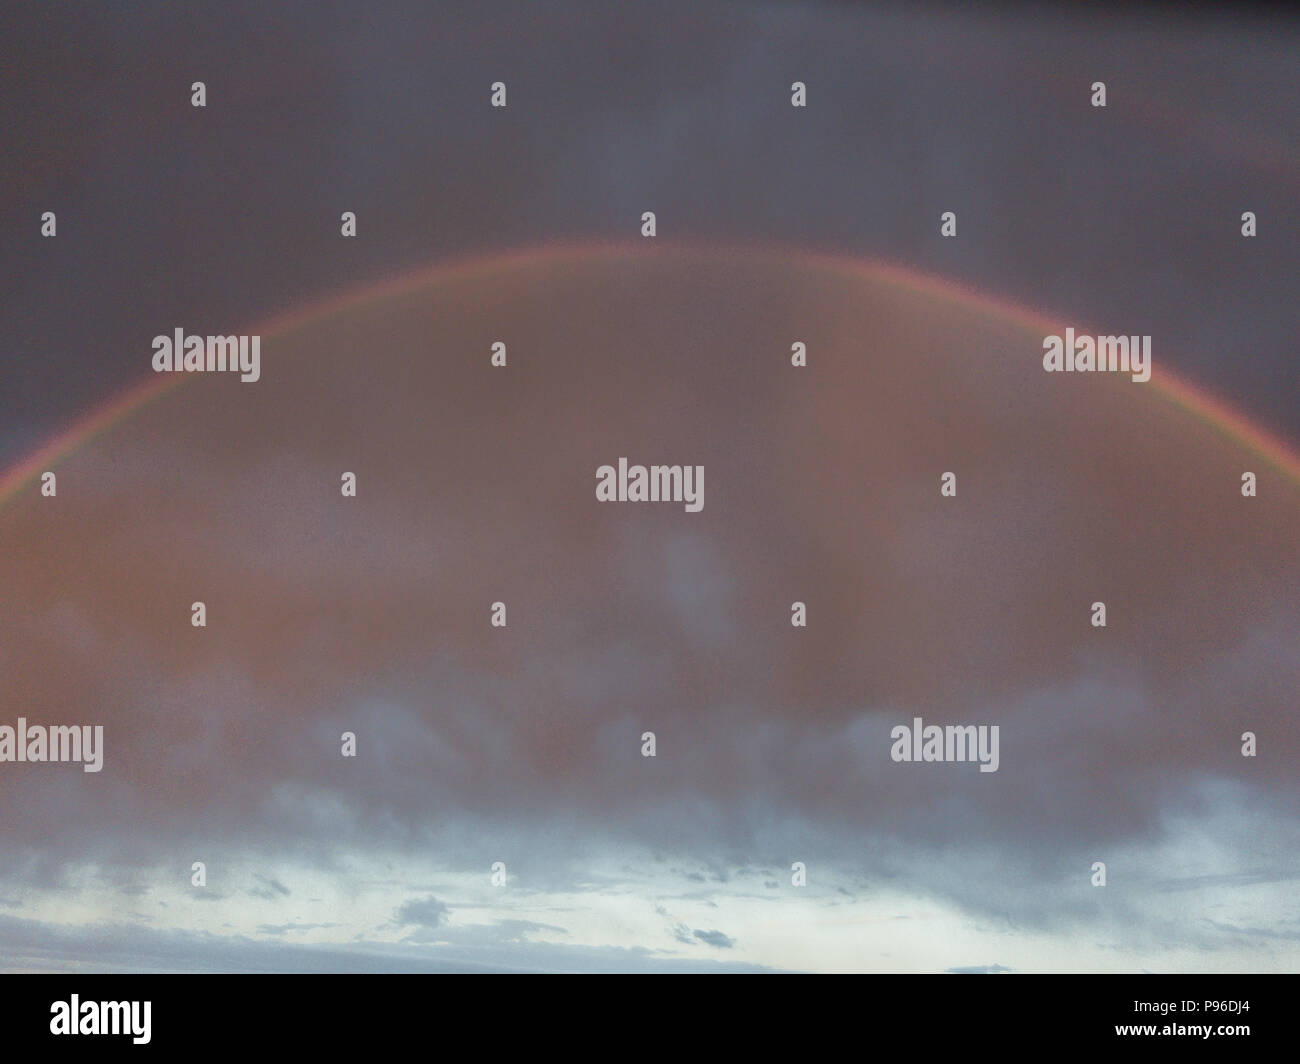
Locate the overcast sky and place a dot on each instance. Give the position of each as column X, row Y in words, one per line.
column 522, row 745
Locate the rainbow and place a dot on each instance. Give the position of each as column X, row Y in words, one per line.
column 1188, row 397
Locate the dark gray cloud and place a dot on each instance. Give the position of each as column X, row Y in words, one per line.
column 714, row 938
column 269, row 889
column 427, row 912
